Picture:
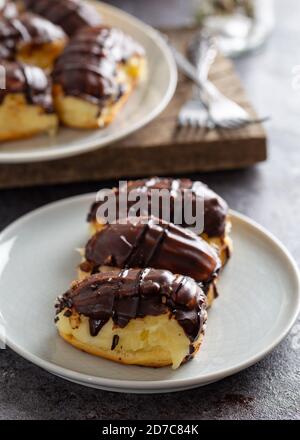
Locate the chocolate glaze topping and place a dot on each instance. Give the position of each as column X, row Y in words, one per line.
column 71, row 15
column 27, row 29
column 30, row 81
column 88, row 66
column 8, row 9
column 215, row 208
column 144, row 243
column 135, row 293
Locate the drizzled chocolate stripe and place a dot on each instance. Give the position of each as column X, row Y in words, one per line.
column 139, row 242
column 215, row 208
column 133, row 294
column 88, row 67
column 161, row 246
column 133, row 247
column 26, row 29
column 71, row 15
column 30, row 81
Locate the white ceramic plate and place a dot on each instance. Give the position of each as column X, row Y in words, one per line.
column 258, row 303
column 147, row 102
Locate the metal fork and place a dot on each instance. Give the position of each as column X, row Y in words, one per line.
column 222, row 112
column 202, row 52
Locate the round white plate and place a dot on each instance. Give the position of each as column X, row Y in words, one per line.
column 147, row 101
column 258, row 303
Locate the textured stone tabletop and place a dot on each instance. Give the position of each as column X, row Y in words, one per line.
column 270, row 194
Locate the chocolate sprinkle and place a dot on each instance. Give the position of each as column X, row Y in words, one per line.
column 115, row 342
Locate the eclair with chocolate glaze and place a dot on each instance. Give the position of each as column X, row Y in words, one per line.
column 31, row 39
column 95, row 75
column 216, row 228
column 149, row 242
column 145, row 317
column 26, row 106
column 70, row 15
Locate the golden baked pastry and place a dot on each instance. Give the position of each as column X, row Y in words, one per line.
column 71, row 15
column 149, row 242
column 26, row 106
column 145, row 317
column 95, row 75
column 217, row 223
column 31, row 39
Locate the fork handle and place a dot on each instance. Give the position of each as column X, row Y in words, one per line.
column 202, row 52
column 208, row 91
column 187, row 67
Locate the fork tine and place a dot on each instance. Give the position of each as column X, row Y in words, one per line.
column 185, row 123
column 199, row 123
column 190, row 121
column 194, row 122
column 204, row 123
column 182, row 121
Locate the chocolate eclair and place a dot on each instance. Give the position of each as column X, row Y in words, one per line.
column 31, row 39
column 216, row 225
column 145, row 317
column 71, row 15
column 26, row 106
column 95, row 75
column 149, row 242
column 8, row 9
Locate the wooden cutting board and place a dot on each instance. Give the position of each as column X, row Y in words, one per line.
column 160, row 148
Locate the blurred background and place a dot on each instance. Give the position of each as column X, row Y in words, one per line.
column 241, row 25
column 159, row 13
